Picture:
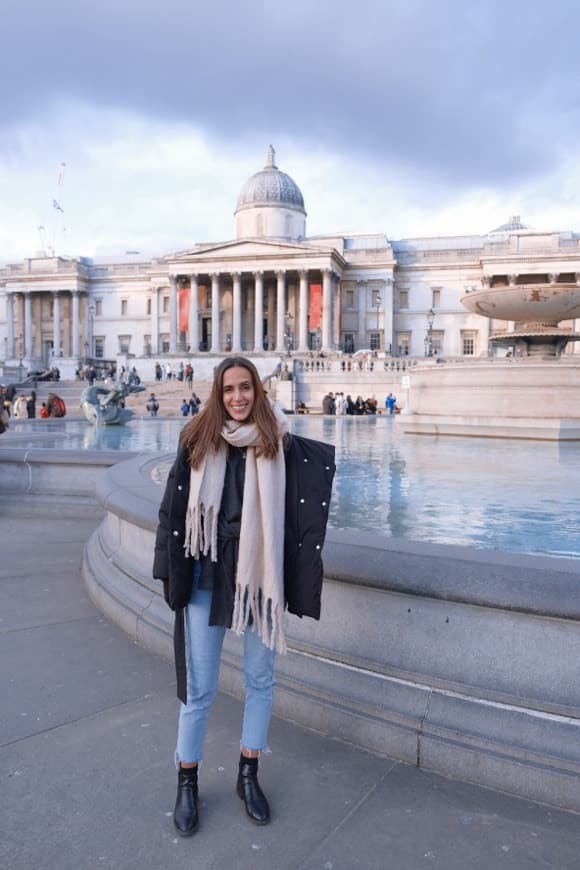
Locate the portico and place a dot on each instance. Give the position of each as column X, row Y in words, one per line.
column 253, row 296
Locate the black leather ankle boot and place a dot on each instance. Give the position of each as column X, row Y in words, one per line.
column 185, row 816
column 250, row 792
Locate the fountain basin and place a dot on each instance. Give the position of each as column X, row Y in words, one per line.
column 546, row 304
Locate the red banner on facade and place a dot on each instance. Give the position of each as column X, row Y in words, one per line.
column 183, row 294
column 315, row 307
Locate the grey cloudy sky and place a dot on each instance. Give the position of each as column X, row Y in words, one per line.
column 404, row 116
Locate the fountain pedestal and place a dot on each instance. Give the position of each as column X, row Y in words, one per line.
column 535, row 394
column 500, row 398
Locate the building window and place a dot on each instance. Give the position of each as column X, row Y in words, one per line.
column 436, row 297
column 99, row 347
column 468, row 343
column 124, row 343
column 98, row 307
column 437, row 343
column 147, row 345
column 403, row 298
column 166, row 305
column 375, row 341
column 123, row 307
column 149, row 305
column 348, row 342
column 403, row 343
column 349, row 298
column 164, row 342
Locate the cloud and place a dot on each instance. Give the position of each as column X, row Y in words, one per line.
column 471, row 92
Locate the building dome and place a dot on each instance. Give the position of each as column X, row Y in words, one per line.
column 512, row 226
column 270, row 205
column 270, row 186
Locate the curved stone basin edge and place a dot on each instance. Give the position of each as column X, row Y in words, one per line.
column 459, row 661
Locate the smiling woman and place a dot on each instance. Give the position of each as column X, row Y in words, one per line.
column 233, row 551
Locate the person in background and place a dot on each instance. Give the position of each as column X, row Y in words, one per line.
column 4, row 420
column 194, row 404
column 390, row 403
column 184, row 408
column 31, row 405
column 228, row 551
column 152, row 405
column 19, row 410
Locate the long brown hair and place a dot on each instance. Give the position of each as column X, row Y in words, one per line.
column 203, row 432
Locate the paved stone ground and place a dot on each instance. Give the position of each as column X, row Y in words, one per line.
column 87, row 728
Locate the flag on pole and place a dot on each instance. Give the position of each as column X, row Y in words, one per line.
column 56, row 206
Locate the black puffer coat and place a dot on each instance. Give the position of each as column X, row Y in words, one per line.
column 310, row 471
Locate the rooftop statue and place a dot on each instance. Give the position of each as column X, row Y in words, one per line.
column 103, row 406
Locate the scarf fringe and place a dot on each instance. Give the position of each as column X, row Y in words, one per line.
column 266, row 617
column 201, row 531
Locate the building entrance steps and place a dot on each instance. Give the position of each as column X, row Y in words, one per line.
column 87, row 729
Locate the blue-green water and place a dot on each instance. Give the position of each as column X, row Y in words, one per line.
column 518, row 496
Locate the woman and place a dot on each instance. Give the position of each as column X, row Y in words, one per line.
column 19, row 408
column 241, row 529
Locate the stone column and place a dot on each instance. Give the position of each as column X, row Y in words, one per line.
column 259, row 312
column 76, row 335
column 326, row 309
column 155, row 320
column 237, row 316
column 10, row 325
column 173, row 314
column 337, row 309
column 56, row 325
column 303, row 312
column 215, row 313
column 193, row 314
column 361, row 291
column 28, row 325
column 280, row 310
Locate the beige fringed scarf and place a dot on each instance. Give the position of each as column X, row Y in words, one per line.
column 259, row 589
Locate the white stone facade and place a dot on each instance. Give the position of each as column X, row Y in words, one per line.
column 273, row 289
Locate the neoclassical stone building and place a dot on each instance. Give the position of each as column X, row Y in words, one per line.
column 272, row 289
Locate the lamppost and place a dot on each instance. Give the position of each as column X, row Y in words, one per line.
column 91, row 319
column 20, row 354
column 429, row 336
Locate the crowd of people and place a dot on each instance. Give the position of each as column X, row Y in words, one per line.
column 16, row 404
column 166, row 372
column 339, row 404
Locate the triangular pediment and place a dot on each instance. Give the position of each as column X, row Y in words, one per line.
column 242, row 248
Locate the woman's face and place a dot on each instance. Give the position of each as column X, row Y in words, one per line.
column 238, row 393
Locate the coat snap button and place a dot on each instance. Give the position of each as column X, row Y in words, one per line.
column 301, row 501
column 305, row 460
column 180, row 487
column 323, row 504
column 318, row 546
column 175, row 534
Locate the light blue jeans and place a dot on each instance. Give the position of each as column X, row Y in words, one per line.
column 203, row 652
